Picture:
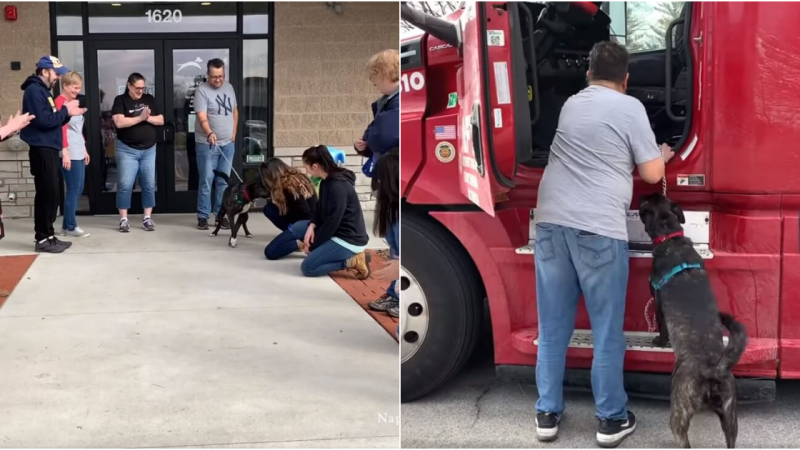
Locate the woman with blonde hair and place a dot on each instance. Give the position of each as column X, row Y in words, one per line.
column 291, row 199
column 74, row 157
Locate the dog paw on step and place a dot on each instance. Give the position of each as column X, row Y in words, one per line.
column 232, row 242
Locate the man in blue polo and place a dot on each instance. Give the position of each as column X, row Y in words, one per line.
column 44, row 137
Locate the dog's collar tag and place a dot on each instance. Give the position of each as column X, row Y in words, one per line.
column 675, row 270
column 660, row 239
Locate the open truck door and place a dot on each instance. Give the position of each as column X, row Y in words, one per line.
column 489, row 88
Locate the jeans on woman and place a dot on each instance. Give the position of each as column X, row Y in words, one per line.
column 210, row 159
column 328, row 257
column 73, row 178
column 130, row 163
column 285, row 243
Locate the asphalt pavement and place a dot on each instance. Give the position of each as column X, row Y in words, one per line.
column 475, row 410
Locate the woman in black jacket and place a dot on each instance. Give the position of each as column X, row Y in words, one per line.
column 336, row 237
column 291, row 200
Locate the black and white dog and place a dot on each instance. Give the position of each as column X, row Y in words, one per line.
column 237, row 200
column 688, row 317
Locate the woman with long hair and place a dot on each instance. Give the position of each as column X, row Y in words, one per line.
column 387, row 224
column 335, row 239
column 291, row 200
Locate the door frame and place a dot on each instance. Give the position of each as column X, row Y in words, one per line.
column 186, row 201
column 105, row 202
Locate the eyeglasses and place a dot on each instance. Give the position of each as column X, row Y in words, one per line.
column 138, row 89
column 217, row 77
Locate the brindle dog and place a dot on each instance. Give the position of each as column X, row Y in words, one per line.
column 236, row 202
column 688, row 317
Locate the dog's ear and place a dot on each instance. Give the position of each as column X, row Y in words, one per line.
column 676, row 209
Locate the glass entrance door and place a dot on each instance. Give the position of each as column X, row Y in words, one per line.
column 186, row 69
column 172, row 70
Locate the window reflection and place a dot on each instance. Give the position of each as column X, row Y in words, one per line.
column 255, row 99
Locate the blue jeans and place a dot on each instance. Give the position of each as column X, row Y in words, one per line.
column 274, row 215
column 74, row 180
column 130, row 163
column 328, row 257
column 208, row 160
column 570, row 262
column 393, row 238
column 285, row 243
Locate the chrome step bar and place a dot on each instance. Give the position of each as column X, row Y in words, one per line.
column 641, row 341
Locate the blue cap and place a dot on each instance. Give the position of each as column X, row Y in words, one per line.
column 51, row 62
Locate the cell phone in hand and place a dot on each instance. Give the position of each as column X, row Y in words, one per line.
column 81, row 101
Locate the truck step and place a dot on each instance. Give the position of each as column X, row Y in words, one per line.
column 702, row 250
column 641, row 341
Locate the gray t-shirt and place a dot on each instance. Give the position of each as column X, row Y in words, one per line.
column 219, row 105
column 588, row 182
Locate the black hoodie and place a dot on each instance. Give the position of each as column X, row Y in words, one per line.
column 45, row 129
column 339, row 211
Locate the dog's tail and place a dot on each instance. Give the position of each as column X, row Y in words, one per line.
column 222, row 175
column 737, row 342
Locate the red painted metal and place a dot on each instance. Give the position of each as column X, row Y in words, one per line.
column 744, row 138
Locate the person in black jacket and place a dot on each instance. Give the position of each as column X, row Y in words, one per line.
column 44, row 136
column 336, row 237
column 291, row 200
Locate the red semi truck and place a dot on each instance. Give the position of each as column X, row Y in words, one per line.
column 481, row 94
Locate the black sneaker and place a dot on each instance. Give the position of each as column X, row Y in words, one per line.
column 202, row 224
column 547, row 426
column 612, row 432
column 64, row 244
column 49, row 245
column 225, row 224
column 384, row 303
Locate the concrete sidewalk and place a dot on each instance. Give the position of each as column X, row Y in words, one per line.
column 172, row 338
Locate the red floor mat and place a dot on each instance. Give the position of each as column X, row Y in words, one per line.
column 368, row 290
column 12, row 269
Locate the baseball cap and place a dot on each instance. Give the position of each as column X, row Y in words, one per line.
column 51, row 62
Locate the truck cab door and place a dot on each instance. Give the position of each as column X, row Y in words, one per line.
column 490, row 106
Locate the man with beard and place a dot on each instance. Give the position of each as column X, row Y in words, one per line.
column 44, row 136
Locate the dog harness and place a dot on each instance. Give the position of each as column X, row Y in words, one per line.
column 241, row 198
column 671, row 274
column 675, row 270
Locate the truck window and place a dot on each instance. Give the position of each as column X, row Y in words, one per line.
column 562, row 60
column 641, row 26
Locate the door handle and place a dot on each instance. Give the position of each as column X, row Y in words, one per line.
column 167, row 133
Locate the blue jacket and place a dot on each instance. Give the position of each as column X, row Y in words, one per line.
column 383, row 133
column 45, row 129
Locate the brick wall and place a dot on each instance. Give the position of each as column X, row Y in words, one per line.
column 322, row 90
column 24, row 41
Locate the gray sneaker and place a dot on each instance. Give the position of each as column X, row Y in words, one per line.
column 384, row 303
column 77, row 232
column 148, row 224
column 124, row 226
column 394, row 312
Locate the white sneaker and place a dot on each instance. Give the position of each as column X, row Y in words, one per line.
column 77, row 232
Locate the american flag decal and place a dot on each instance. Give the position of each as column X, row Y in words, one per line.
column 442, row 132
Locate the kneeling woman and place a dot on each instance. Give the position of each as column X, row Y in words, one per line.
column 336, row 237
column 292, row 200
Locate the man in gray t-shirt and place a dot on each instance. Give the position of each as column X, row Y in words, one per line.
column 215, row 139
column 581, row 238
